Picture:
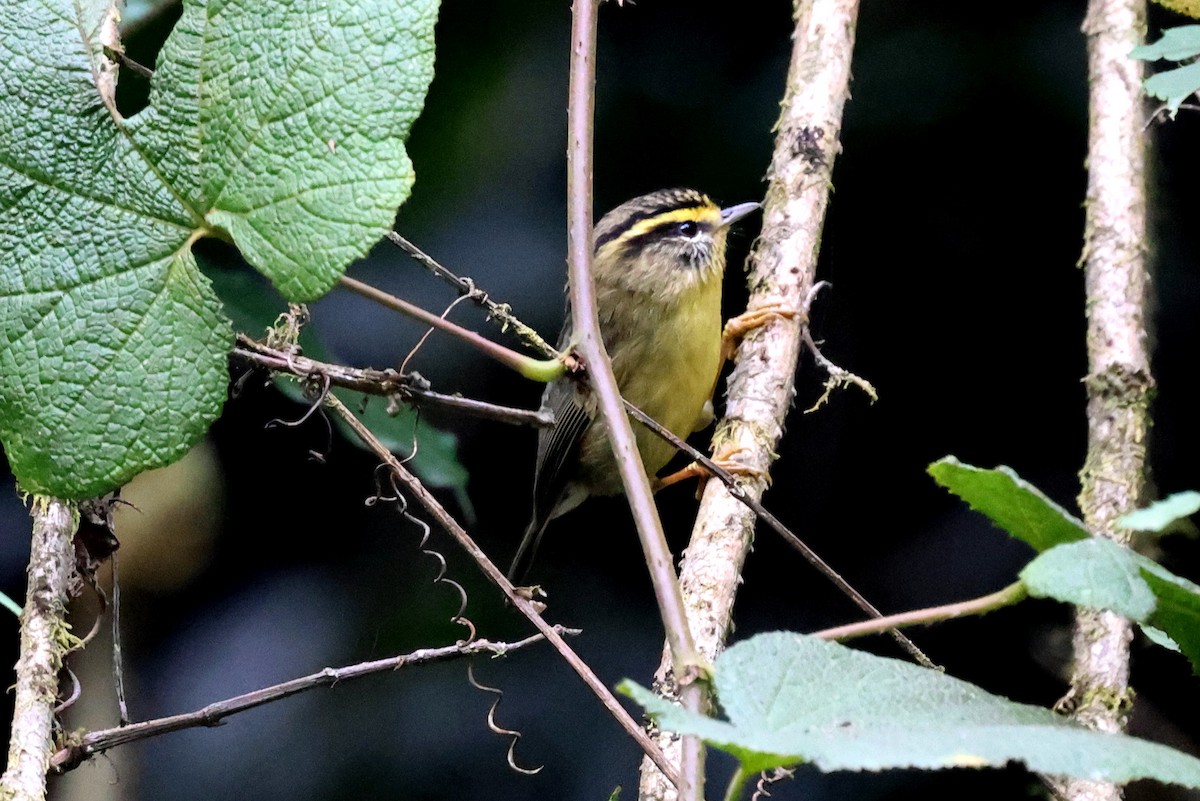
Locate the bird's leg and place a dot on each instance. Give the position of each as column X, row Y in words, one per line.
column 761, row 313
column 758, row 315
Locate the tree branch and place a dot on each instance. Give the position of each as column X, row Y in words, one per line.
column 686, row 661
column 387, row 383
column 783, row 266
column 1119, row 383
column 45, row 639
column 518, row 599
column 97, row 742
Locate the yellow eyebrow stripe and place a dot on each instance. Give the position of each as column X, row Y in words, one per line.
column 709, row 214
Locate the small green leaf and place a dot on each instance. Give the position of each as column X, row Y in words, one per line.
column 1159, row 637
column 1176, row 44
column 1010, row 502
column 1178, row 610
column 1100, row 574
column 1160, row 515
column 276, row 124
column 1095, row 573
column 792, row 698
column 1174, row 86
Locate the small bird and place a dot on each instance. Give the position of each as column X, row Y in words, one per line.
column 658, row 264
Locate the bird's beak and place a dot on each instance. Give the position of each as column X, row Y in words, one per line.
column 734, row 213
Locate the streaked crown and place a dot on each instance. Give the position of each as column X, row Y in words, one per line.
column 683, row 215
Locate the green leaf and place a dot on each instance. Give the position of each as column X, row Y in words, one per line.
column 1178, row 610
column 277, row 124
column 1176, row 44
column 1100, row 574
column 1095, row 573
column 792, row 698
column 1011, row 503
column 1175, row 86
column 1161, row 515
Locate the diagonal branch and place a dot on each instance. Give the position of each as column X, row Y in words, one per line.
column 97, row 742
column 518, row 599
column 783, row 266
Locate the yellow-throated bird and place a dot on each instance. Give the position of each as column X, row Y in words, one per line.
column 658, row 265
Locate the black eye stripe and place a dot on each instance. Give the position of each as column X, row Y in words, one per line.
column 637, row 217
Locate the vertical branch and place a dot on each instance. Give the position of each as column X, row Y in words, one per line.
column 1119, row 382
column 783, row 266
column 586, row 325
column 44, row 640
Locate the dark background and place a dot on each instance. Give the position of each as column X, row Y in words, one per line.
column 951, row 243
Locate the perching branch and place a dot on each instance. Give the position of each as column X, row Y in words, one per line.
column 783, row 266
column 45, row 639
column 97, row 742
column 1119, row 383
column 1012, row 594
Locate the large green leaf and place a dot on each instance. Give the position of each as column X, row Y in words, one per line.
column 276, row 124
column 790, row 698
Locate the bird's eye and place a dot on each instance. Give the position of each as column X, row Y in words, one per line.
column 688, row 228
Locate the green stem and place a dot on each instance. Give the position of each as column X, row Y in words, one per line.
column 737, row 784
column 1010, row 595
column 543, row 370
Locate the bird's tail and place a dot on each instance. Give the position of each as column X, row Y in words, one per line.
column 523, row 561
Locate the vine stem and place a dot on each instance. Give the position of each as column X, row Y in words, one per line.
column 45, row 639
column 782, row 271
column 1119, row 383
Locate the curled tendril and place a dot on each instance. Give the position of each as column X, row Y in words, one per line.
column 316, row 387
column 426, row 335
column 495, row 728
column 769, row 777
column 397, row 498
column 76, row 691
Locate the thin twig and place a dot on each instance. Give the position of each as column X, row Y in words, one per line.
column 97, row 742
column 686, row 661
column 1008, row 596
column 385, row 383
column 738, row 491
column 518, row 599
column 536, row 369
column 501, row 312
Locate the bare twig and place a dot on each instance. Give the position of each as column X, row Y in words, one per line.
column 518, row 599
column 739, row 492
column 1119, row 382
column 45, row 638
column 97, row 742
column 782, row 271
column 386, row 383
column 500, row 312
column 687, row 663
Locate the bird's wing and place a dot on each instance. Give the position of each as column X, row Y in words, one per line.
column 558, row 450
